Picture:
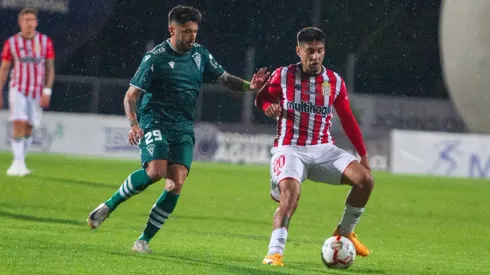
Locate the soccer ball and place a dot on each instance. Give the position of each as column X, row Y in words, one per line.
column 338, row 252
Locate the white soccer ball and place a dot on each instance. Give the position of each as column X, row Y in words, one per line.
column 338, row 252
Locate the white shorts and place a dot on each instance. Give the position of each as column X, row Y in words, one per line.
column 323, row 163
column 24, row 107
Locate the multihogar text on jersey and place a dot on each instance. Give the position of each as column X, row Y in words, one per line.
column 309, row 107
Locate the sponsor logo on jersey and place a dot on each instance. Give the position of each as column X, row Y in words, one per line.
column 171, row 63
column 30, row 59
column 308, row 107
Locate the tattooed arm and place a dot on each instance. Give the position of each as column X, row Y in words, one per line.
column 130, row 100
column 49, row 73
column 234, row 83
column 237, row 84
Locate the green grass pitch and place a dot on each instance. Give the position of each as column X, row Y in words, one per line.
column 222, row 224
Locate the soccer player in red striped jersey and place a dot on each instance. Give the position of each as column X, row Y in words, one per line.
column 31, row 80
column 302, row 97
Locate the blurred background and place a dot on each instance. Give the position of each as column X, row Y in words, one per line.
column 388, row 51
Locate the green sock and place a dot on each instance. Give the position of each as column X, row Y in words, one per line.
column 134, row 184
column 164, row 206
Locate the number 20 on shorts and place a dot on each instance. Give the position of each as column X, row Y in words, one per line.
column 279, row 163
column 151, row 136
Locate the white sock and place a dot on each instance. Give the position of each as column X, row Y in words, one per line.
column 278, row 241
column 27, row 144
column 349, row 219
column 18, row 148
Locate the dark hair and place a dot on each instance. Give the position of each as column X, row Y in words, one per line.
column 310, row 34
column 183, row 14
column 27, row 11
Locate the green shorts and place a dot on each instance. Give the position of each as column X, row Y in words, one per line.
column 176, row 148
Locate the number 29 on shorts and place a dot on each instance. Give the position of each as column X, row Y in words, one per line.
column 151, row 136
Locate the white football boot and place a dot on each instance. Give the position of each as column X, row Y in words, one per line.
column 142, row 247
column 18, row 169
column 96, row 217
column 23, row 171
column 13, row 170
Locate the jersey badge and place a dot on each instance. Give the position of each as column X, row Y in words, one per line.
column 197, row 59
column 326, row 89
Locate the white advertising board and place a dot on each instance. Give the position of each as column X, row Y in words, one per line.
column 441, row 154
column 107, row 136
column 77, row 134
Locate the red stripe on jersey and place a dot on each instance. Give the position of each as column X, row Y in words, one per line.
column 11, row 43
column 305, row 116
column 319, row 101
column 21, row 48
column 281, row 116
column 38, row 68
column 333, row 84
column 17, row 68
column 290, row 78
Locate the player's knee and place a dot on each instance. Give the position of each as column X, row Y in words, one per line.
column 155, row 173
column 366, row 181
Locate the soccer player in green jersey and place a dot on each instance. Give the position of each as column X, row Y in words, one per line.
column 160, row 107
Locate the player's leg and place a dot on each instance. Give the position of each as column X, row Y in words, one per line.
column 19, row 118
column 28, row 138
column 287, row 173
column 180, row 159
column 336, row 166
column 154, row 157
column 362, row 184
column 34, row 120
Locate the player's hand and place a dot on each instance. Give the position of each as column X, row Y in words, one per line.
column 259, row 79
column 1, row 102
column 365, row 162
column 135, row 134
column 45, row 99
column 273, row 111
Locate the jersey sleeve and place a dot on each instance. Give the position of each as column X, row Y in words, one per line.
column 50, row 49
column 269, row 94
column 212, row 68
column 6, row 53
column 348, row 121
column 143, row 76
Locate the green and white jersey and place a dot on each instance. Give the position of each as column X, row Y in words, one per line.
column 171, row 83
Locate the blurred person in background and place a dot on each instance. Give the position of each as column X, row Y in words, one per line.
column 30, row 54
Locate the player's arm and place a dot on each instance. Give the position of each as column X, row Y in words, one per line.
column 349, row 123
column 5, row 68
column 4, row 72
column 130, row 100
column 237, row 84
column 50, row 72
column 140, row 83
column 234, row 83
column 268, row 97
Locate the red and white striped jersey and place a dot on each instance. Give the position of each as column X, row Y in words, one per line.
column 307, row 103
column 29, row 57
